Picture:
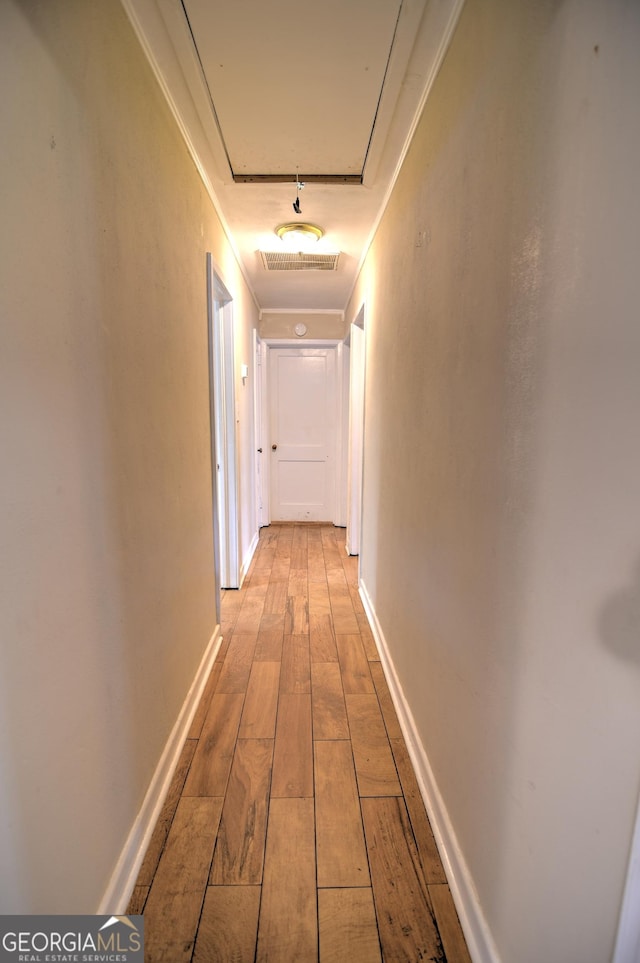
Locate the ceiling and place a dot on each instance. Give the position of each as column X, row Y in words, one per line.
column 270, row 96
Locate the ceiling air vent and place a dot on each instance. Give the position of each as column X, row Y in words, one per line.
column 298, row 261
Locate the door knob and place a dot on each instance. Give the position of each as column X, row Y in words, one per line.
column 273, row 447
column 260, row 450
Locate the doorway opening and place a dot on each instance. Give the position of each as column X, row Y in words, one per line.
column 224, row 462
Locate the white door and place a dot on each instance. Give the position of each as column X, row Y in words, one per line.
column 303, row 424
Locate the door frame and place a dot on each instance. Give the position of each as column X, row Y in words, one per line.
column 355, row 469
column 224, row 454
column 267, row 344
column 627, row 948
column 263, row 516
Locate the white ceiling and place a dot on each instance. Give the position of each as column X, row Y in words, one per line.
column 267, row 93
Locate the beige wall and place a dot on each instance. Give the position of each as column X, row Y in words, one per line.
column 320, row 324
column 501, row 530
column 106, row 569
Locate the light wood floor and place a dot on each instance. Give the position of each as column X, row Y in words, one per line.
column 294, row 830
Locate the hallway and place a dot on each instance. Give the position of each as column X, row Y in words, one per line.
column 494, row 294
column 294, row 810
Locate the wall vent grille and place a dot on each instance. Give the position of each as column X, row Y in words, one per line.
column 298, row 261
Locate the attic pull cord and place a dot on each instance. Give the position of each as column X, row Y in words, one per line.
column 299, row 187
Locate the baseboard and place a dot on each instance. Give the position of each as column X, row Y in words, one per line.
column 246, row 562
column 476, row 930
column 118, row 892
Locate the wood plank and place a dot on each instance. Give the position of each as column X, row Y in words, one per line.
column 285, row 542
column 260, row 572
column 224, row 646
column 368, row 640
column 195, row 729
column 356, row 601
column 449, row 927
column 175, row 899
column 299, row 548
column 336, row 579
column 298, row 583
column 167, row 813
column 262, row 561
column 211, row 763
column 272, row 621
column 316, row 571
column 375, row 767
column 250, row 614
column 407, row 926
column 275, row 601
column 280, row 567
column 332, row 559
column 230, row 604
column 319, row 600
column 351, row 564
column 258, row 580
column 413, row 850
column 340, row 849
column 347, row 926
column 288, row 927
column 342, row 612
column 386, row 702
column 269, row 644
column 258, row 720
column 322, row 641
column 321, row 633
column 137, row 900
column 239, row 852
column 237, row 664
column 293, row 752
column 296, row 664
column 269, row 537
column 327, row 702
column 427, row 850
column 254, row 593
column 354, row 666
column 296, row 619
column 228, row 928
column 263, row 557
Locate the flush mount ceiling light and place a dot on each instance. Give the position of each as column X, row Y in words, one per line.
column 297, row 232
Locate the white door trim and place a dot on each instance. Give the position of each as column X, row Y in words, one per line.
column 342, row 433
column 260, row 437
column 355, row 471
column 223, row 426
column 628, row 939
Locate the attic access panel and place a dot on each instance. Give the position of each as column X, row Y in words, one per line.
column 294, row 84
